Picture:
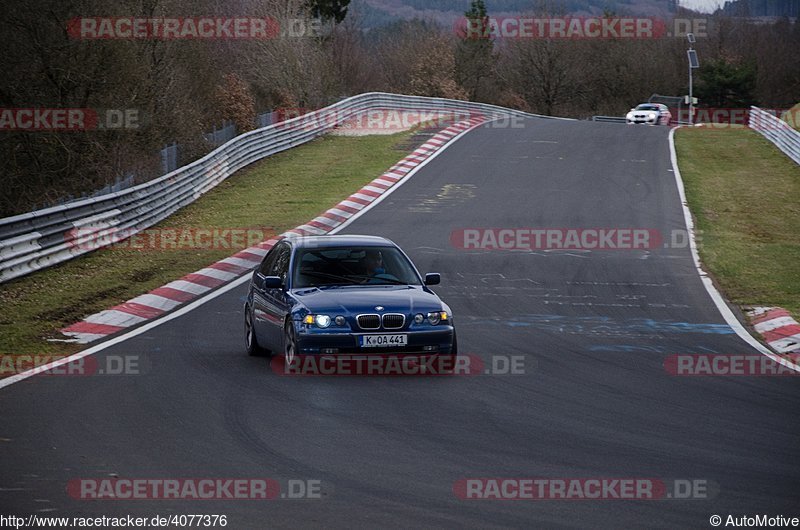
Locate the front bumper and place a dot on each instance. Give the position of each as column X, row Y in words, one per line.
column 647, row 121
column 437, row 340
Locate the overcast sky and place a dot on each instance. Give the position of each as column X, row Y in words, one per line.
column 701, row 5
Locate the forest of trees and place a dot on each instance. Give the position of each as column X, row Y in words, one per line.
column 181, row 88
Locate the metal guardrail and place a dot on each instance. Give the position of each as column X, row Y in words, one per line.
column 776, row 131
column 44, row 238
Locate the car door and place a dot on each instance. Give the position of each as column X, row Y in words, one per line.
column 259, row 299
column 276, row 304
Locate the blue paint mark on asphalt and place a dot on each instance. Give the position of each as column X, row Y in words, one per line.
column 626, row 348
column 629, row 348
column 606, row 325
column 710, row 350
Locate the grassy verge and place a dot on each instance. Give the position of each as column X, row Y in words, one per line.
column 275, row 195
column 743, row 192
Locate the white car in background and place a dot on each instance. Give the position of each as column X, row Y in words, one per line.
column 649, row 113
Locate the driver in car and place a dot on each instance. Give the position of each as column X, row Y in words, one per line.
column 374, row 263
column 375, row 270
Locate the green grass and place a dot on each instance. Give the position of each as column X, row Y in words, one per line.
column 276, row 194
column 743, row 192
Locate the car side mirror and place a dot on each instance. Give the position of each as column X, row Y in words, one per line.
column 273, row 282
column 433, row 278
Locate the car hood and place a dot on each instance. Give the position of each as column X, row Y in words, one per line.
column 364, row 299
column 645, row 112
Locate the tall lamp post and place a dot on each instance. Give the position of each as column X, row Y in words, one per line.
column 693, row 63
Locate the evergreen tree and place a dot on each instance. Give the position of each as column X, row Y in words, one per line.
column 329, row 9
column 727, row 84
column 474, row 59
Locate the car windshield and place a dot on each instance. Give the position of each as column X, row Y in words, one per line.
column 647, row 106
column 336, row 266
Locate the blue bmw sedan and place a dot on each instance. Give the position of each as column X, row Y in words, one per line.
column 344, row 294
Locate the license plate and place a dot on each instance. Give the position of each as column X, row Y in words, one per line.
column 383, row 341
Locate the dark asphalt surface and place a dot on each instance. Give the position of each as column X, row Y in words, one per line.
column 595, row 400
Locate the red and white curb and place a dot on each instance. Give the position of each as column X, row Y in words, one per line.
column 776, row 325
column 166, row 298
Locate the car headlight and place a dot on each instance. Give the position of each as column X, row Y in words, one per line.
column 437, row 316
column 419, row 318
column 322, row 321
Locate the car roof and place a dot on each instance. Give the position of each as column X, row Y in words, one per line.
column 339, row 241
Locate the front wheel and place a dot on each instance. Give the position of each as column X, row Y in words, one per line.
column 289, row 342
column 449, row 363
column 250, row 340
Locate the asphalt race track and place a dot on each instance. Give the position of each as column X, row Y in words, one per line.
column 595, row 401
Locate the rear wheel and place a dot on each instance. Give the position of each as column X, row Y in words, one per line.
column 250, row 340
